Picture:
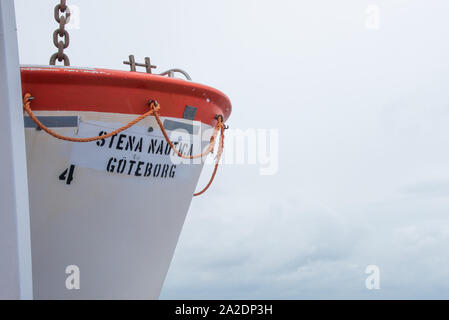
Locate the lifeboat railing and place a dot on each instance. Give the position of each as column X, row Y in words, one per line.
column 171, row 73
column 149, row 68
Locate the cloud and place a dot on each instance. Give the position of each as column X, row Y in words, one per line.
column 303, row 250
column 433, row 188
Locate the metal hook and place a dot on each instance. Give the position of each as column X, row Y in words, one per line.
column 154, row 103
column 171, row 73
column 221, row 118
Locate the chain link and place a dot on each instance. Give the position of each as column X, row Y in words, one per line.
column 62, row 16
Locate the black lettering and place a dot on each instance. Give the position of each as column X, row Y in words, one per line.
column 139, row 146
column 67, row 174
column 148, row 170
column 152, row 146
column 112, row 141
column 63, row 175
column 139, row 167
column 181, row 148
column 172, row 171
column 175, row 144
column 130, row 143
column 70, row 177
column 121, row 166
column 165, row 171
column 157, row 170
column 111, row 166
column 132, row 163
column 120, row 142
column 101, row 142
column 161, row 148
column 167, row 149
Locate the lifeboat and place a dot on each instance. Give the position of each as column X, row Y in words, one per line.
column 106, row 214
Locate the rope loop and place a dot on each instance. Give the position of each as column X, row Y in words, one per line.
column 27, row 108
column 220, row 127
column 154, row 111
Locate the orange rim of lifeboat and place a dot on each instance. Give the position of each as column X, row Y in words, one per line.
column 124, row 92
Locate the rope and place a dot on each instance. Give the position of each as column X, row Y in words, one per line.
column 217, row 162
column 27, row 107
column 154, row 111
column 209, row 149
column 219, row 127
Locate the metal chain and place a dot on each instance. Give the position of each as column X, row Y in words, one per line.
column 62, row 16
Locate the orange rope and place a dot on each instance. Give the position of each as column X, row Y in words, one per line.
column 219, row 127
column 27, row 107
column 217, row 162
column 155, row 112
column 211, row 146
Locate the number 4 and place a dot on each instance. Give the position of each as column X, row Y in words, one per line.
column 68, row 178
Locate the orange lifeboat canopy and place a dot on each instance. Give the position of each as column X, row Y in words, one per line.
column 123, row 92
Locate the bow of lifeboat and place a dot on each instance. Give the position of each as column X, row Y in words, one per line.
column 106, row 215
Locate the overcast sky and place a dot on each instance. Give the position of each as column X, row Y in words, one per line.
column 362, row 107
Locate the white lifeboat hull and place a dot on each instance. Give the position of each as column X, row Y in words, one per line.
column 96, row 233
